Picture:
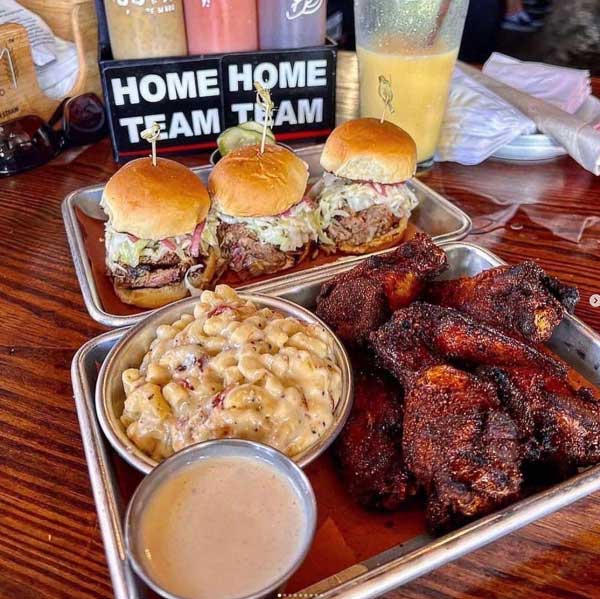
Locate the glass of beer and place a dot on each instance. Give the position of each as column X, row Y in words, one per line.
column 414, row 43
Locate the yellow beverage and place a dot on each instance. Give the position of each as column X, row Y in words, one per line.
column 420, row 82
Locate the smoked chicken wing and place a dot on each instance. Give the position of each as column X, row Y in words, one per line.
column 460, row 445
column 562, row 421
column 369, row 449
column 358, row 301
column 424, row 335
column 522, row 300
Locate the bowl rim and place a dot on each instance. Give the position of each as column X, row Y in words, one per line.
column 238, row 448
column 110, row 422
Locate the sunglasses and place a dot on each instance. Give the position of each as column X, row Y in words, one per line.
column 28, row 141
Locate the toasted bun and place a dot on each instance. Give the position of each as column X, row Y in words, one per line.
column 369, row 150
column 247, row 183
column 155, row 297
column 154, row 202
column 151, row 297
column 380, row 243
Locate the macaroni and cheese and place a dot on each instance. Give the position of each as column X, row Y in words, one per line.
column 232, row 370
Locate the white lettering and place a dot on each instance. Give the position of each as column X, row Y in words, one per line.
column 285, row 114
column 242, row 111
column 181, row 86
column 245, row 77
column 292, row 76
column 120, row 91
column 206, row 123
column 310, row 111
column 179, row 126
column 159, row 119
column 160, row 88
column 317, row 73
column 208, row 84
column 132, row 123
column 268, row 69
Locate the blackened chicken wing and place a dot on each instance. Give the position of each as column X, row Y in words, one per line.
column 522, row 300
column 424, row 335
column 369, row 449
column 460, row 445
column 360, row 300
column 563, row 422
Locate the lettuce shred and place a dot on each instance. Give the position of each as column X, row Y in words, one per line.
column 342, row 197
column 125, row 249
column 288, row 231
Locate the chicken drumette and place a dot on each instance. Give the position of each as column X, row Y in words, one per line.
column 460, row 445
column 369, row 449
column 522, row 300
column 358, row 301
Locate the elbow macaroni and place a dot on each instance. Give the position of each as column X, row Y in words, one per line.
column 232, row 370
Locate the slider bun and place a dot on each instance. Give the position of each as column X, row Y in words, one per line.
column 154, row 202
column 369, row 150
column 246, row 183
column 151, row 297
column 382, row 242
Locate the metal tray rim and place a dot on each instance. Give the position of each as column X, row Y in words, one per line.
column 101, row 476
column 86, row 280
column 366, row 585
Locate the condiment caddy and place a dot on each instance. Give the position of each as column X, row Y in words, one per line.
column 194, row 98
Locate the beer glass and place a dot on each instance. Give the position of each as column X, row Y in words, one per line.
column 415, row 44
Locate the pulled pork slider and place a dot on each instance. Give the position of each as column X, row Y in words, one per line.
column 261, row 219
column 364, row 204
column 156, row 216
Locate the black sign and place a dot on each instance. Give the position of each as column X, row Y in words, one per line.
column 193, row 99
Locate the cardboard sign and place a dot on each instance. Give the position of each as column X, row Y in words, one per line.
column 193, row 99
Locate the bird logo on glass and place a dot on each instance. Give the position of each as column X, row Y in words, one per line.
column 303, row 7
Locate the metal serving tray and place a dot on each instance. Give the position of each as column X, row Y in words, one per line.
column 573, row 341
column 435, row 215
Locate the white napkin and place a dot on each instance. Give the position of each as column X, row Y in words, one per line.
column 57, row 77
column 477, row 122
column 564, row 87
column 484, row 114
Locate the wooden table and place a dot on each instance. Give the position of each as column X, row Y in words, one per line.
column 50, row 545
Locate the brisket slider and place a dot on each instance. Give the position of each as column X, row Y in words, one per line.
column 156, row 216
column 363, row 200
column 261, row 219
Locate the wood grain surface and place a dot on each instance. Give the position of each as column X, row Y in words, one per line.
column 50, row 545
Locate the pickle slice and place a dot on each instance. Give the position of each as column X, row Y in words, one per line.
column 234, row 137
column 258, row 128
column 245, row 134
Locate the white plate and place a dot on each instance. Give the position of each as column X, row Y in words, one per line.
column 530, row 147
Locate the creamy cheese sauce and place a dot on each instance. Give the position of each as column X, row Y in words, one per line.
column 222, row 528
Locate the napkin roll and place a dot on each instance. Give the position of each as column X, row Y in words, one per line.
column 580, row 139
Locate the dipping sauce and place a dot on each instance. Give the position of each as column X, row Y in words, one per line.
column 221, row 528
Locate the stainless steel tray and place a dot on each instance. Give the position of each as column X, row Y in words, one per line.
column 435, row 215
column 574, row 341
